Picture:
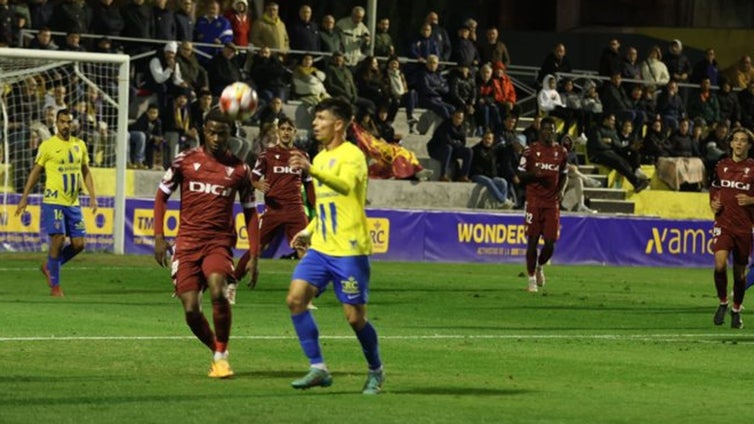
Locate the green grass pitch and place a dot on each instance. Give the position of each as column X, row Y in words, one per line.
column 461, row 343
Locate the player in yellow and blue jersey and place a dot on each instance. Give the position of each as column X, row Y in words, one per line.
column 65, row 161
column 338, row 245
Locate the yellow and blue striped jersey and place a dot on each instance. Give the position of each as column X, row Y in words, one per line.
column 62, row 161
column 340, row 227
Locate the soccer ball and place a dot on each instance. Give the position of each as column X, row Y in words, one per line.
column 238, row 101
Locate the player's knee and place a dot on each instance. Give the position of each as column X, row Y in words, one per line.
column 296, row 304
column 193, row 317
column 78, row 244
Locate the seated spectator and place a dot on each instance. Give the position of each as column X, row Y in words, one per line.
column 308, row 82
column 741, row 73
column 383, row 42
column 212, row 28
column 704, row 103
column 550, row 103
column 180, row 135
column 671, row 106
column 600, row 149
column 573, row 198
column 200, row 108
column 487, row 111
column 591, row 105
column 463, row 92
column 331, row 39
column 683, row 168
column 164, row 75
column 509, row 148
column 715, row 147
column 555, row 61
column 531, row 132
column 434, row 90
column 628, row 146
column 240, row 22
column 384, row 126
column 746, row 100
column 43, row 41
column 223, row 70
column 484, row 171
column 464, row 50
column 193, row 74
column 730, row 108
column 573, row 104
column 271, row 112
column 505, row 92
column 73, row 43
column 304, row 33
column 653, row 70
column 58, row 98
column 448, row 143
column 615, row 101
column 370, row 84
column 150, row 127
column 400, row 93
column 269, row 75
column 655, row 143
column 339, row 82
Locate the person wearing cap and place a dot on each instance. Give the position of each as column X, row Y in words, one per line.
column 212, row 28
column 464, row 50
column 270, row 30
column 164, row 74
column 240, row 22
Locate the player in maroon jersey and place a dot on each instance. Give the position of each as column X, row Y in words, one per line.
column 209, row 177
column 281, row 185
column 731, row 199
column 543, row 169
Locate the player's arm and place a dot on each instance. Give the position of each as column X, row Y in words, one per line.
column 714, row 194
column 524, row 174
column 342, row 184
column 36, row 171
column 160, row 244
column 259, row 172
column 303, row 238
column 311, row 196
column 89, row 183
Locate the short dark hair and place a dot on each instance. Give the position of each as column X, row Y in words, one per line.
column 286, row 120
column 547, row 120
column 340, row 108
column 64, row 111
column 215, row 114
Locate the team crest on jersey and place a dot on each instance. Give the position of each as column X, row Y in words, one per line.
column 331, row 163
column 277, row 156
column 76, row 148
column 538, row 154
column 197, row 166
column 229, row 171
column 746, row 171
column 725, row 169
column 556, row 154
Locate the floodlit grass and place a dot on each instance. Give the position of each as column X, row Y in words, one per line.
column 461, row 343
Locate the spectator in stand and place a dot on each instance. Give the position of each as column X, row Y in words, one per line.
column 440, row 35
column 630, row 69
column 150, row 125
column 484, row 171
column 355, row 35
column 164, row 74
column 463, row 92
column 71, row 15
column 600, row 150
column 615, row 101
column 339, row 82
column 610, row 60
column 269, row 74
column 629, row 145
column 370, row 83
column 137, row 23
column 549, row 100
column 193, row 74
column 464, row 50
column 655, row 143
column 653, row 69
column 424, row 45
column 683, row 169
column 473, row 25
column 678, row 64
column 400, row 93
column 200, row 108
column 648, row 103
column 573, row 105
column 492, row 50
column 43, row 41
column 384, row 127
column 58, row 98
column 212, row 28
column 706, row 67
column 184, row 20
column 573, row 197
column 740, row 73
column 555, row 61
column 305, row 32
column 505, row 92
column 331, row 39
column 591, row 105
column 671, row 106
column 73, row 43
column 308, row 82
column 730, row 108
column 40, row 12
column 704, row 103
column 383, row 42
column 8, row 33
column 107, row 19
column 180, row 134
column 270, row 30
column 104, row 45
column 240, row 22
column 448, row 143
column 164, row 21
column 746, row 100
column 509, row 147
column 488, row 113
column 223, row 70
column 272, row 112
column 531, row 133
column 714, row 148
column 434, row 90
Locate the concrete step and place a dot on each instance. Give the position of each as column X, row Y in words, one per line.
column 423, row 195
column 605, row 193
column 612, row 206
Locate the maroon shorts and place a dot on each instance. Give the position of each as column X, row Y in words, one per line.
column 272, row 220
column 738, row 244
column 192, row 267
column 542, row 222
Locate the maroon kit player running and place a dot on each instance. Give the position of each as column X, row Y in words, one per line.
column 281, row 185
column 544, row 170
column 209, row 178
column 731, row 199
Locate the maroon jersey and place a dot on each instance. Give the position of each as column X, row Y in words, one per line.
column 546, row 161
column 285, row 183
column 208, row 190
column 733, row 178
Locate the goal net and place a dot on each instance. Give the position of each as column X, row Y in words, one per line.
column 36, row 84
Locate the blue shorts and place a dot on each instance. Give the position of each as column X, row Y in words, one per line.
column 59, row 219
column 349, row 275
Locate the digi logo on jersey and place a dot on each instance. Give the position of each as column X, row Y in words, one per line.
column 216, row 189
column 546, row 166
column 285, row 170
column 735, row 184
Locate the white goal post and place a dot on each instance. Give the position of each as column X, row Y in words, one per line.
column 104, row 77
